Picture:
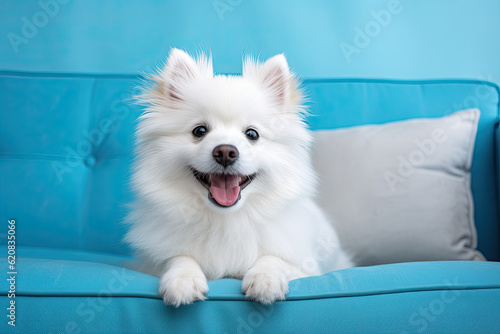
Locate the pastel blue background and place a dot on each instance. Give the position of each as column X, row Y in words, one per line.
column 427, row 39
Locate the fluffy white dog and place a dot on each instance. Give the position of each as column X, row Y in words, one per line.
column 225, row 184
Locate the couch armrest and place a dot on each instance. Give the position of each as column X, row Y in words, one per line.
column 497, row 152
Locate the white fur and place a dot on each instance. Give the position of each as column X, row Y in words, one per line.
column 275, row 232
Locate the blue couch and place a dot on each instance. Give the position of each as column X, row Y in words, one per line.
column 65, row 152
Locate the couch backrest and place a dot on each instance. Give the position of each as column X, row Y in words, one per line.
column 66, row 146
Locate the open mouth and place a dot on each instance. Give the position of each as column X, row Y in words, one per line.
column 224, row 190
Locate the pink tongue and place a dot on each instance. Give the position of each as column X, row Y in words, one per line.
column 225, row 188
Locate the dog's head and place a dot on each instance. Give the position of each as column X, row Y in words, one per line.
column 225, row 140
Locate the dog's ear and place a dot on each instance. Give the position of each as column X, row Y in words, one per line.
column 180, row 70
column 274, row 75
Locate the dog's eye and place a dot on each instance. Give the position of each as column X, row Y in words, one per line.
column 252, row 134
column 200, row 131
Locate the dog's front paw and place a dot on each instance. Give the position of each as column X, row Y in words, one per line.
column 265, row 287
column 182, row 288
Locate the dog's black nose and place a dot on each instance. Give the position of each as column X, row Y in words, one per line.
column 225, row 154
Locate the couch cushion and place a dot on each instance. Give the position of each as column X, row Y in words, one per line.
column 46, row 253
column 406, row 297
column 65, row 150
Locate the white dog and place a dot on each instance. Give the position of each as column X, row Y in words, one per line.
column 224, row 182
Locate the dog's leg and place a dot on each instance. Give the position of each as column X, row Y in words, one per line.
column 183, row 282
column 267, row 280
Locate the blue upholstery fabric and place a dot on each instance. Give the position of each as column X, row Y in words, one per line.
column 452, row 297
column 65, row 152
column 70, row 139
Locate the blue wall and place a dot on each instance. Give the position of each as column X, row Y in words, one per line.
column 412, row 39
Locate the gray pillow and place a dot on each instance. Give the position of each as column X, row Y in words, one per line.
column 400, row 191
